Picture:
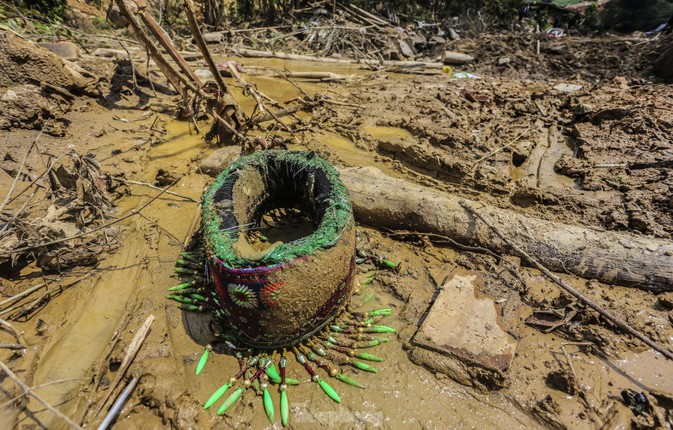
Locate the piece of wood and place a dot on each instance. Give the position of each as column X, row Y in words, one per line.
column 610, row 257
column 131, row 352
column 251, row 53
column 456, row 58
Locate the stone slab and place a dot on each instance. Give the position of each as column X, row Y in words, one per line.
column 461, row 336
column 213, row 164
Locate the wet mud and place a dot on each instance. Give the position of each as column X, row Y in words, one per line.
column 516, row 143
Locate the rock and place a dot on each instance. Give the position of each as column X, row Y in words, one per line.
column 392, row 54
column 214, row 37
column 213, row 164
column 456, row 58
column 453, row 35
column 567, row 88
column 461, row 337
column 406, row 49
column 503, row 61
column 110, row 53
column 67, row 50
column 436, row 40
column 418, row 41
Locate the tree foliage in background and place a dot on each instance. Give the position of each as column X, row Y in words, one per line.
column 636, row 15
column 50, row 9
column 420, row 10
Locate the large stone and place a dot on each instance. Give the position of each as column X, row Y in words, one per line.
column 67, row 50
column 456, row 58
column 215, row 37
column 453, row 35
column 216, row 162
column 406, row 49
column 461, row 337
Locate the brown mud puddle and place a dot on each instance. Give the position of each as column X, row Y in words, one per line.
column 423, row 129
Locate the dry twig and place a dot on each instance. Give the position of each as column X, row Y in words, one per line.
column 28, row 391
column 579, row 296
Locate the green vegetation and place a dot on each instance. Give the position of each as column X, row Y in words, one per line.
column 53, row 10
column 636, row 15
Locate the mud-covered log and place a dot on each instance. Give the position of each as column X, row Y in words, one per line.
column 610, row 257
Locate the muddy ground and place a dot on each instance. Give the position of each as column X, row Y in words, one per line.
column 565, row 135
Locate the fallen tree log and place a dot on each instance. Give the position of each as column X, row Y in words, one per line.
column 251, row 53
column 610, row 257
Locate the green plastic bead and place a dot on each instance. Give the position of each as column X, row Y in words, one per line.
column 329, row 390
column 179, row 299
column 371, row 344
column 348, row 380
column 180, row 286
column 368, row 280
column 216, row 395
column 230, row 401
column 284, row 408
column 379, row 329
column 272, row 373
column 202, row 361
column 196, row 296
column 362, row 366
column 384, row 312
column 367, row 356
column 268, row 406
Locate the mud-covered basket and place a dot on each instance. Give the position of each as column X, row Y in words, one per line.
column 284, row 296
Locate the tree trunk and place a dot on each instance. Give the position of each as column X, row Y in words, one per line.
column 610, row 257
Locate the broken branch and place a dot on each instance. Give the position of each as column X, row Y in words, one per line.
column 579, row 296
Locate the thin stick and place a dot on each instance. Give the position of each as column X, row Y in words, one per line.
column 495, row 151
column 192, row 227
column 198, row 38
column 29, row 186
column 46, row 384
column 26, row 389
column 131, row 353
column 13, row 346
column 86, row 233
column 23, row 163
column 579, row 296
column 22, row 294
column 147, row 184
column 18, row 212
column 11, row 328
column 258, row 98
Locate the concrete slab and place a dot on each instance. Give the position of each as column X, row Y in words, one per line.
column 461, row 336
